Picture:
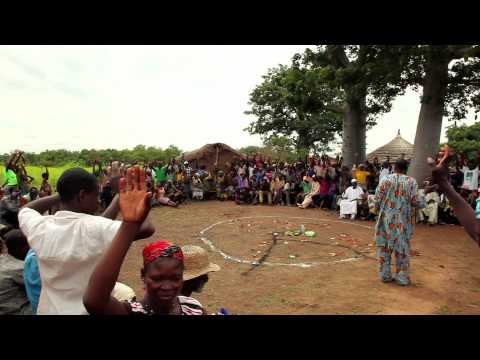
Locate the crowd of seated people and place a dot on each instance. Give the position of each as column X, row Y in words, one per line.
column 317, row 182
column 30, row 224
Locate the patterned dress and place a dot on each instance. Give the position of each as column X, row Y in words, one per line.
column 395, row 202
column 188, row 306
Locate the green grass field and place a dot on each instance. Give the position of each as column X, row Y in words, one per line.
column 36, row 173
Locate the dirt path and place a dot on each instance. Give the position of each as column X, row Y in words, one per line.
column 446, row 274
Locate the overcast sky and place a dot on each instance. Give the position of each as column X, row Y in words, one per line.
column 77, row 97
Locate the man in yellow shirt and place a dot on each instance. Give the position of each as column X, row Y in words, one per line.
column 361, row 175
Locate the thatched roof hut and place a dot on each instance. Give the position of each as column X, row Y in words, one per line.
column 394, row 149
column 212, row 155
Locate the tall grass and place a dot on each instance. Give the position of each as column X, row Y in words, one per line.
column 36, row 173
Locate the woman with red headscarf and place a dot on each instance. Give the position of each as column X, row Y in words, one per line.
column 162, row 270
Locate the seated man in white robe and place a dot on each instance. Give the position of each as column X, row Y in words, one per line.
column 430, row 211
column 348, row 204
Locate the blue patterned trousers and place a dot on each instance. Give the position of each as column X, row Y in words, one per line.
column 402, row 264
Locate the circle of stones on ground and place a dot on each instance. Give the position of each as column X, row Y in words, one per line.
column 208, row 242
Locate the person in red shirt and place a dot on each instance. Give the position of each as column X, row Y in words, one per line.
column 258, row 161
column 323, row 195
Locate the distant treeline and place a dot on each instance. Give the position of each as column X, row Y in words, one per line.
column 276, row 148
column 86, row 157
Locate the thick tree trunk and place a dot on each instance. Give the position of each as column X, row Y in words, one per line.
column 429, row 127
column 354, row 134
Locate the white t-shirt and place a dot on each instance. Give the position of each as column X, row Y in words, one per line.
column 384, row 173
column 470, row 178
column 68, row 246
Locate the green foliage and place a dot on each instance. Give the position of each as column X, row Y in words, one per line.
column 250, row 150
column 369, row 75
column 85, row 157
column 280, row 148
column 277, row 148
column 465, row 139
column 294, row 101
column 463, row 80
column 463, row 90
column 36, row 173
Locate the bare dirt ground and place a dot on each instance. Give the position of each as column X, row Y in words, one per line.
column 445, row 269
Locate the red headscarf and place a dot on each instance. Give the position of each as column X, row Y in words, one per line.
column 161, row 248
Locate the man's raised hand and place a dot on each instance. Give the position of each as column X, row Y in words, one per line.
column 134, row 198
column 440, row 170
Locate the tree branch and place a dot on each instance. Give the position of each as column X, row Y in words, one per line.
column 465, row 80
column 336, row 108
column 475, row 82
column 362, row 54
column 337, row 56
column 471, row 51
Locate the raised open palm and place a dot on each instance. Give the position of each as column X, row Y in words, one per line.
column 440, row 167
column 134, row 198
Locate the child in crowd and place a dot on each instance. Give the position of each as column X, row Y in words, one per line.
column 323, row 196
column 159, row 198
column 289, row 189
column 149, row 179
column 187, row 180
column 265, row 189
column 45, row 187
column 221, row 186
column 197, row 187
column 32, row 195
column 106, row 196
column 306, row 187
column 170, row 173
column 254, row 189
column 314, row 191
column 242, row 194
column 209, row 186
column 13, row 298
column 9, row 207
column 175, row 194
column 277, row 186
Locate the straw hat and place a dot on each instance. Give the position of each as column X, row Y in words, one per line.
column 122, row 292
column 196, row 262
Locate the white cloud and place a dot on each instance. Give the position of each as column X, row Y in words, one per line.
column 120, row 96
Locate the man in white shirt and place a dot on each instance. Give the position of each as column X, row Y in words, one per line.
column 69, row 244
column 430, row 211
column 470, row 178
column 385, row 171
column 348, row 205
column 251, row 169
